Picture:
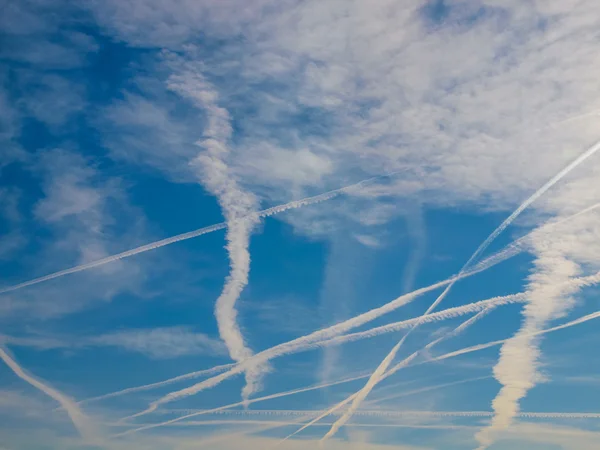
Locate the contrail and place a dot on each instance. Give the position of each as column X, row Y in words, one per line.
column 393, row 370
column 339, row 340
column 242, row 403
column 445, row 314
column 193, row 234
column 294, row 345
column 537, row 194
column 380, row 370
column 300, row 343
column 158, row 384
column 381, row 374
column 308, row 344
column 396, row 413
column 79, row 419
column 426, row 389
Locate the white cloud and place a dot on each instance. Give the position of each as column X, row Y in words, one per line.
column 78, row 211
column 161, row 343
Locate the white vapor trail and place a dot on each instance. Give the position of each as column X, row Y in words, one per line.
column 330, row 336
column 380, row 370
column 234, row 405
column 475, row 348
column 79, row 419
column 426, row 389
column 397, row 413
column 158, row 384
column 381, row 374
column 351, row 337
column 299, row 343
column 192, row 234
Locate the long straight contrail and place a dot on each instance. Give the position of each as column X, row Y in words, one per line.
column 242, row 403
column 392, row 371
column 193, row 234
column 508, row 252
column 373, row 332
column 131, row 390
column 380, row 373
column 394, row 413
column 79, row 419
column 573, row 283
column 449, row 313
column 324, row 334
column 382, row 367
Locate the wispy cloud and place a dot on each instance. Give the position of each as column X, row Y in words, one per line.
column 161, row 343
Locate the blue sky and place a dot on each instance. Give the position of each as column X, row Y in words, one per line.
column 357, row 155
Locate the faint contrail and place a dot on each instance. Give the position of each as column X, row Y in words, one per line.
column 235, row 405
column 377, row 374
column 339, row 340
column 445, row 314
column 327, row 333
column 537, row 194
column 394, row 413
column 425, row 389
column 294, row 345
column 334, row 409
column 79, row 419
column 193, row 234
column 146, row 387
column 392, row 371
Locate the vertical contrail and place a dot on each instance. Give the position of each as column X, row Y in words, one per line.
column 239, row 208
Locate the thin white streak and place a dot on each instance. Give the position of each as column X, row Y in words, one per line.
column 193, row 234
column 242, row 403
column 425, row 389
column 373, row 332
column 158, row 384
column 299, row 343
column 391, row 413
column 393, row 370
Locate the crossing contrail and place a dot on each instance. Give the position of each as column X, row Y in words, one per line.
column 382, row 367
column 393, row 370
column 192, row 234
